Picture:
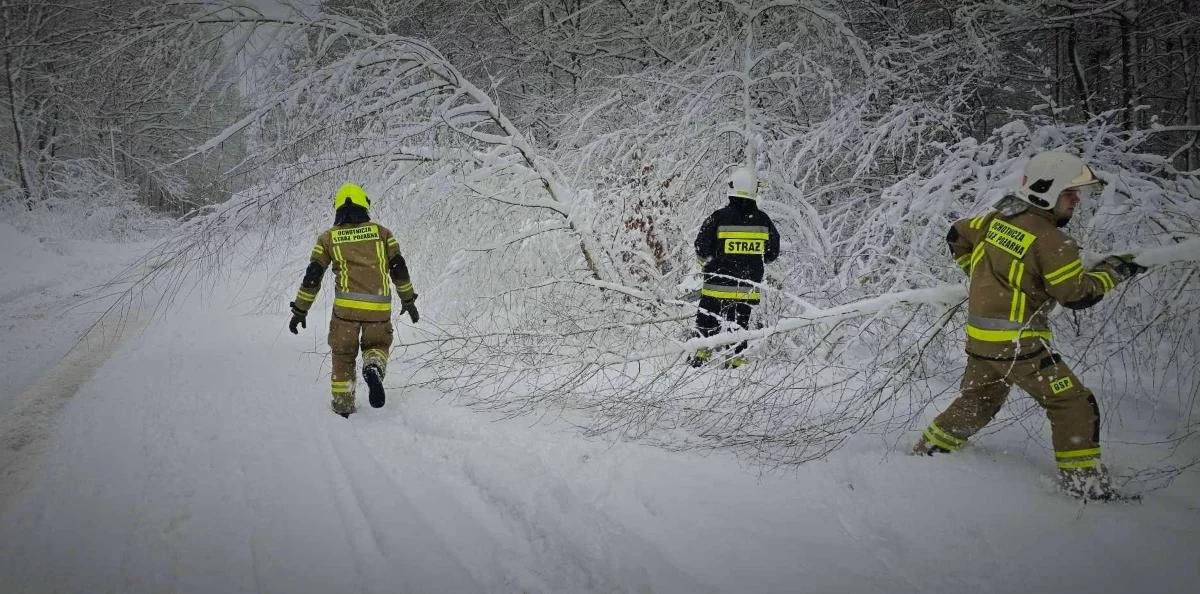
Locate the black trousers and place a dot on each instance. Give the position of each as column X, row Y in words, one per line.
column 714, row 311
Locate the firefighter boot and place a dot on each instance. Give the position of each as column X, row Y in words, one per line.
column 1089, row 484
column 374, row 378
column 924, row 447
column 700, row 358
column 343, row 396
column 343, row 404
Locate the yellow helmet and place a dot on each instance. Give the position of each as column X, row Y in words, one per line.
column 352, row 193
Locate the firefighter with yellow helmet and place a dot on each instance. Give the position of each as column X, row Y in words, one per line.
column 366, row 262
column 1021, row 264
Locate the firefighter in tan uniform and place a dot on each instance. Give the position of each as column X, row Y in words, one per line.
column 1021, row 264
column 366, row 262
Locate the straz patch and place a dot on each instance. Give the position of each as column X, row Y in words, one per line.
column 746, row 246
column 1061, row 385
column 356, row 234
column 1010, row 238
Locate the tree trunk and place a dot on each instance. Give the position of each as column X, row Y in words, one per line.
column 18, row 133
column 1126, row 66
column 1081, row 84
column 1191, row 99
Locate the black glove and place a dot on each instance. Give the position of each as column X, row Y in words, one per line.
column 1124, row 266
column 410, row 306
column 299, row 318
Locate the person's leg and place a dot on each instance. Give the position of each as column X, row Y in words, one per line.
column 1074, row 424
column 376, row 340
column 343, row 346
column 741, row 316
column 708, row 323
column 984, row 388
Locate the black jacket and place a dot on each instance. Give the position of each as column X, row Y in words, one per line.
column 737, row 241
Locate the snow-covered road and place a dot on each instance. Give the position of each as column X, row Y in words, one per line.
column 201, row 457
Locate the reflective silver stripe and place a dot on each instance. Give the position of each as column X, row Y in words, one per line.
column 364, row 297
column 751, row 228
column 995, row 324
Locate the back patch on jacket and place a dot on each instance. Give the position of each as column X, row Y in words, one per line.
column 1012, row 239
column 745, row 246
column 744, row 239
column 356, row 234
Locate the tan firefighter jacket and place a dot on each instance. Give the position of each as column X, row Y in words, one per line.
column 1019, row 267
column 366, row 261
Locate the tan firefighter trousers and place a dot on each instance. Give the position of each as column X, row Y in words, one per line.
column 1074, row 415
column 345, row 339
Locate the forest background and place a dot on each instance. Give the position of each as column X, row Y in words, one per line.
column 546, row 164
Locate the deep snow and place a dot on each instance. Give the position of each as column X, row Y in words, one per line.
column 200, row 456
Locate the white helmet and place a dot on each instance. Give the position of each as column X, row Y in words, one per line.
column 743, row 183
column 1048, row 174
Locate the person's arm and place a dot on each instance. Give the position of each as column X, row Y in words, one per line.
column 310, row 285
column 772, row 251
column 1065, row 278
column 706, row 239
column 962, row 239
column 398, row 270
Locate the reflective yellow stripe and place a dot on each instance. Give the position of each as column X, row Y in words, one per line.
column 317, row 249
column 976, row 256
column 341, row 387
column 304, row 296
column 1079, row 463
column 405, row 287
column 1065, row 273
column 946, row 436
column 1106, row 281
column 381, row 253
column 1063, row 279
column 1065, row 269
column 941, row 438
column 976, row 223
column 1005, row 335
column 1078, row 453
column 367, row 305
column 730, row 294
column 742, row 235
column 1016, row 271
column 963, row 261
column 342, row 273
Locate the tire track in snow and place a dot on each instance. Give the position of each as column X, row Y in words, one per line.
column 349, row 509
column 29, row 423
column 408, row 553
column 552, row 536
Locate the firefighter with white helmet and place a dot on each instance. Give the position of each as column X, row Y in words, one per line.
column 1021, row 264
column 734, row 245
